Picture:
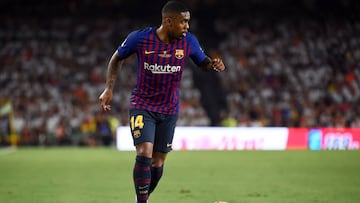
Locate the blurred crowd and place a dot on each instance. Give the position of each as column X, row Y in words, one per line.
column 53, row 72
column 292, row 72
column 296, row 74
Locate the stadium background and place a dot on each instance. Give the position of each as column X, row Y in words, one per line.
column 289, row 64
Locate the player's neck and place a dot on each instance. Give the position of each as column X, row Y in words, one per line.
column 163, row 36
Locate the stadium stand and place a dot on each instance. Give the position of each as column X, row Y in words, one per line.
column 289, row 63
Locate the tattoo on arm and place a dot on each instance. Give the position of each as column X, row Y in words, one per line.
column 113, row 70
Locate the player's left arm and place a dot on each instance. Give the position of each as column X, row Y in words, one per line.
column 210, row 64
column 201, row 59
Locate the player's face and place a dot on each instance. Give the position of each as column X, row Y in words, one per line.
column 180, row 25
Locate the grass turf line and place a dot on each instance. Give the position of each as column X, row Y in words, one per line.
column 94, row 175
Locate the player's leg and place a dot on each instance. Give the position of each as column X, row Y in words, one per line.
column 157, row 168
column 164, row 134
column 143, row 131
column 142, row 171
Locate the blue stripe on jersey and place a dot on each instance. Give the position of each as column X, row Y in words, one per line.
column 160, row 67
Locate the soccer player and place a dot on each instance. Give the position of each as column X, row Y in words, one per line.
column 154, row 102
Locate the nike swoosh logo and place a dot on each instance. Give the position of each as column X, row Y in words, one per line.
column 149, row 52
column 168, row 145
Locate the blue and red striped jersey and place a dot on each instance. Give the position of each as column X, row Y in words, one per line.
column 160, row 67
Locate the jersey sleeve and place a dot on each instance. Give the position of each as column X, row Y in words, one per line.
column 196, row 52
column 129, row 45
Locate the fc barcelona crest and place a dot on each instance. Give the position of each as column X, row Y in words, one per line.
column 179, row 53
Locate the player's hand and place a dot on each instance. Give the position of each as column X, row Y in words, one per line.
column 218, row 65
column 105, row 99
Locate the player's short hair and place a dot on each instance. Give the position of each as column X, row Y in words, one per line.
column 174, row 7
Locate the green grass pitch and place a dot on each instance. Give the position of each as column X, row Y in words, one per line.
column 104, row 175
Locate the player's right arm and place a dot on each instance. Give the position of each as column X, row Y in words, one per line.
column 127, row 48
column 114, row 66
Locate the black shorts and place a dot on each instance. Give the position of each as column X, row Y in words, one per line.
column 157, row 128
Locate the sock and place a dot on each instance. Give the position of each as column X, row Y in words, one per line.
column 156, row 174
column 142, row 178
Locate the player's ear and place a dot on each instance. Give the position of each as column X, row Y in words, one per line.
column 168, row 21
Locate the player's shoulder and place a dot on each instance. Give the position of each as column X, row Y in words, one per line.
column 191, row 39
column 190, row 36
column 143, row 32
column 138, row 35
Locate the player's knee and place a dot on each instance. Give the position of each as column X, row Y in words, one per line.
column 157, row 163
column 144, row 149
column 158, row 159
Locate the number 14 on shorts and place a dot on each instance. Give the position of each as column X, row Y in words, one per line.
column 137, row 121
